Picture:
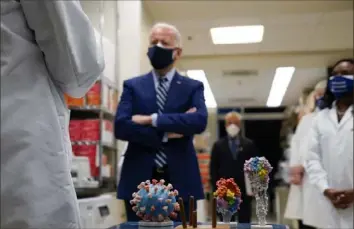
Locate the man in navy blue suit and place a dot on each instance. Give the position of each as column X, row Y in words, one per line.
column 158, row 114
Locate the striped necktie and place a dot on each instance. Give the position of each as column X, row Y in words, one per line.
column 161, row 96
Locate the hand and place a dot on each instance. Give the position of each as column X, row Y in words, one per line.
column 299, row 169
column 296, row 179
column 296, row 174
column 192, row 110
column 142, row 119
column 174, row 135
column 346, row 198
column 335, row 197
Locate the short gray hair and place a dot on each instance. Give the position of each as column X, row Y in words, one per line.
column 233, row 114
column 171, row 27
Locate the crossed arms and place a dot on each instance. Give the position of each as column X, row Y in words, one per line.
column 139, row 128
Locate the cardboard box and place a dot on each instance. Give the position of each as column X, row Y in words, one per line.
column 113, row 100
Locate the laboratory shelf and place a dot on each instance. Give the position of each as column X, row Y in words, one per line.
column 104, row 144
column 93, row 109
column 99, row 104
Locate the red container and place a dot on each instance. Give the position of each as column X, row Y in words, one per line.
column 94, row 170
column 75, row 149
column 91, row 135
column 75, row 130
column 90, row 125
column 91, row 152
column 93, row 96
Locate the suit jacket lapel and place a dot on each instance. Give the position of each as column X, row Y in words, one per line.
column 175, row 86
column 150, row 92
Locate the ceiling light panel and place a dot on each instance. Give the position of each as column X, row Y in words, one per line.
column 208, row 94
column 237, row 34
column 280, row 84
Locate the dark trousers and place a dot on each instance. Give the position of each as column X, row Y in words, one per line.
column 157, row 174
column 303, row 226
column 244, row 214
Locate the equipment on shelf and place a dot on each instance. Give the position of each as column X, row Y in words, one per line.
column 98, row 212
column 80, row 172
column 91, row 129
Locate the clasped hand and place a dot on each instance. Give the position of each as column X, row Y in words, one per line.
column 340, row 198
column 147, row 120
column 296, row 174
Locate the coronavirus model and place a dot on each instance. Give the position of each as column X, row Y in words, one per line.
column 155, row 203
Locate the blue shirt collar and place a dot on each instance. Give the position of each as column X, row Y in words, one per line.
column 169, row 75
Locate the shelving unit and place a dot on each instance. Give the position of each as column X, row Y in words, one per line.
column 202, row 147
column 91, row 133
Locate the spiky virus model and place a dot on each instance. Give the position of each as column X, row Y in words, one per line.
column 155, row 202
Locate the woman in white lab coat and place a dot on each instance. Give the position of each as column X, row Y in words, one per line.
column 329, row 162
column 298, row 207
column 48, row 48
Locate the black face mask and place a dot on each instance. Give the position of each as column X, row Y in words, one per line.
column 160, row 58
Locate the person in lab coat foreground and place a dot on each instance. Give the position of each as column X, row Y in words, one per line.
column 301, row 205
column 329, row 162
column 48, row 48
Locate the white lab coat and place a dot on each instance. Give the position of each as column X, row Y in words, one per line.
column 47, row 48
column 329, row 163
column 312, row 199
column 295, row 205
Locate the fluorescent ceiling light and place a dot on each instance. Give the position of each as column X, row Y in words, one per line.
column 280, row 84
column 208, row 94
column 237, row 34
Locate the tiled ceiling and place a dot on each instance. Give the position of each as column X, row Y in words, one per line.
column 309, row 35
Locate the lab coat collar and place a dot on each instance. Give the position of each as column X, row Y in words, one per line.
column 347, row 115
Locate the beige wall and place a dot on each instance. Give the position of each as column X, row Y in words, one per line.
column 146, row 24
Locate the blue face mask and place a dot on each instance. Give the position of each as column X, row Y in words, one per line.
column 341, row 85
column 160, row 58
column 320, row 104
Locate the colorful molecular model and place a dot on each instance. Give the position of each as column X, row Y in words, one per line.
column 258, row 169
column 155, row 202
column 228, row 196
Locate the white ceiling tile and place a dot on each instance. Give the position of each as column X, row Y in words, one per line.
column 285, row 38
column 235, row 49
column 293, row 19
column 338, row 17
column 327, row 37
